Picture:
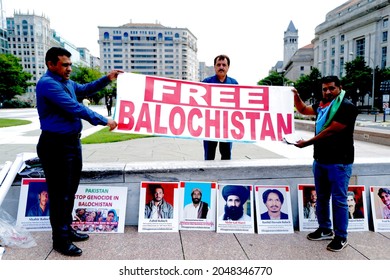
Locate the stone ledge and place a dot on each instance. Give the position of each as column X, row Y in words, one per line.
column 365, row 134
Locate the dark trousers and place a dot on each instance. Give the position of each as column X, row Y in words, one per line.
column 225, row 148
column 61, row 160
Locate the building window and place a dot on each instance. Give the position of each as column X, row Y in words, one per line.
column 342, row 37
column 332, row 67
column 360, row 43
column 333, row 40
column 385, row 23
column 341, row 66
column 384, row 57
column 323, row 67
column 384, row 36
column 341, row 49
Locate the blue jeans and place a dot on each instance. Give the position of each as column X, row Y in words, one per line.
column 331, row 181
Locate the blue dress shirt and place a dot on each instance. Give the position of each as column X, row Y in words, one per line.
column 58, row 108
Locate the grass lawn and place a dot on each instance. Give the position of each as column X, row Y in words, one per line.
column 12, row 122
column 106, row 136
column 102, row 136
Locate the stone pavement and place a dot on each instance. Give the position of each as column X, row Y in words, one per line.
column 193, row 245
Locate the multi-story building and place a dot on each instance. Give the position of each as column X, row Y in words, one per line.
column 205, row 71
column 3, row 31
column 85, row 57
column 300, row 64
column 356, row 28
column 95, row 62
column 29, row 38
column 149, row 49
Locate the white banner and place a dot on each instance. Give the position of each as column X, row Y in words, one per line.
column 177, row 108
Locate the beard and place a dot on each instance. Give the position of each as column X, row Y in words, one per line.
column 233, row 212
column 196, row 200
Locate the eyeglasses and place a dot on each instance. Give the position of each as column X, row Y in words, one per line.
column 328, row 88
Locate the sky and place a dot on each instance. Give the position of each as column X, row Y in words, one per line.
column 250, row 32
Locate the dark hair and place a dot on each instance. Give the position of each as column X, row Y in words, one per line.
column 53, row 53
column 267, row 192
column 383, row 190
column 222, row 57
column 331, row 79
column 153, row 188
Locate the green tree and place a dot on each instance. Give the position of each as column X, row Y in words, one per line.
column 13, row 80
column 358, row 80
column 274, row 79
column 309, row 86
column 83, row 75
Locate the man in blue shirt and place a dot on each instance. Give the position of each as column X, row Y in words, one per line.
column 221, row 67
column 59, row 147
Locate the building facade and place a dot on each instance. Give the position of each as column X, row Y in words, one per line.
column 30, row 37
column 3, row 31
column 149, row 49
column 300, row 64
column 357, row 28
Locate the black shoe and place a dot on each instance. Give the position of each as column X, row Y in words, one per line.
column 337, row 244
column 68, row 249
column 320, row 234
column 75, row 236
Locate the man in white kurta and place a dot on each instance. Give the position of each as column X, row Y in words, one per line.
column 197, row 209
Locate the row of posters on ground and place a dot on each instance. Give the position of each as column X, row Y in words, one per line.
column 207, row 206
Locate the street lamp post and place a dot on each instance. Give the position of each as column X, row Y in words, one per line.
column 357, row 93
column 373, row 85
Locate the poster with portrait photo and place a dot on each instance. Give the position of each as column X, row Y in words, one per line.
column 273, row 208
column 198, row 202
column 307, row 199
column 158, row 207
column 380, row 207
column 235, row 208
column 34, row 205
column 357, row 208
column 99, row 209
